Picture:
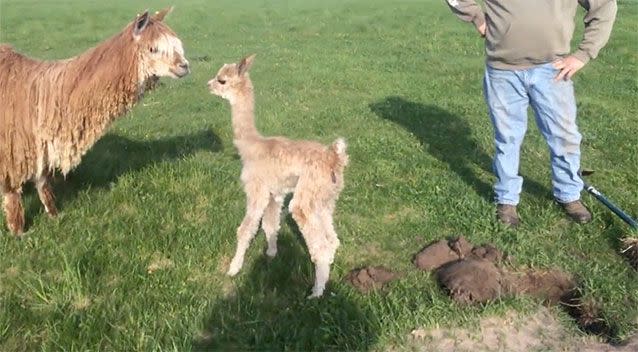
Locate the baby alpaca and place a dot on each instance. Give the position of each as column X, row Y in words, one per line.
column 275, row 166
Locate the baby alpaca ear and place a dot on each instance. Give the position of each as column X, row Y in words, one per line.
column 245, row 64
column 160, row 15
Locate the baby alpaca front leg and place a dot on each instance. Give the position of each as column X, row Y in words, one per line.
column 247, row 230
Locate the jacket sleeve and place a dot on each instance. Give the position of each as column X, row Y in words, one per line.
column 599, row 21
column 467, row 10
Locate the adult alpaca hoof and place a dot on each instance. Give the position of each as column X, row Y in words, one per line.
column 17, row 230
column 52, row 212
column 15, row 223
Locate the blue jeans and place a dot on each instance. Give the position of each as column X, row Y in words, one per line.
column 508, row 94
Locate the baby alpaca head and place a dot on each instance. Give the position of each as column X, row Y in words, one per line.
column 232, row 79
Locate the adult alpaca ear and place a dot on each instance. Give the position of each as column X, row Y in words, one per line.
column 161, row 14
column 140, row 24
column 245, row 63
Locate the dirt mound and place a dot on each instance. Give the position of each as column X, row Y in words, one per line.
column 472, row 280
column 552, row 286
column 370, row 278
column 478, row 275
column 442, row 252
column 479, row 280
column 435, row 255
column 475, row 274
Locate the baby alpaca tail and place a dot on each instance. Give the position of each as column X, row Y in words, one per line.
column 338, row 147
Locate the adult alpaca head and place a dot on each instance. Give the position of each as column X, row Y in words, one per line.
column 161, row 53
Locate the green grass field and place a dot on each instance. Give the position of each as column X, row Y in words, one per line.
column 136, row 260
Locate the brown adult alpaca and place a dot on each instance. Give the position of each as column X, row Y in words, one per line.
column 275, row 166
column 52, row 112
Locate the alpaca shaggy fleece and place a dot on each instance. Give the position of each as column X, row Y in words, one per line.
column 52, row 112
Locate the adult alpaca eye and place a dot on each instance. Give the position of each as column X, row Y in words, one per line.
column 152, row 49
column 221, row 81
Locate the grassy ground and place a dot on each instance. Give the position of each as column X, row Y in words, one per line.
column 136, row 260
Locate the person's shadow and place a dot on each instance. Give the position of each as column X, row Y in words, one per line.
column 268, row 310
column 448, row 138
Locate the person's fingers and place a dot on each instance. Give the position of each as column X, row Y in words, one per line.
column 559, row 64
column 561, row 74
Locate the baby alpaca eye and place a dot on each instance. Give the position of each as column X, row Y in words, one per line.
column 221, row 81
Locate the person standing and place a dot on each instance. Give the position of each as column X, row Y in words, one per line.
column 527, row 45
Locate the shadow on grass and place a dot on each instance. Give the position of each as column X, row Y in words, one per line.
column 269, row 310
column 114, row 155
column 448, row 138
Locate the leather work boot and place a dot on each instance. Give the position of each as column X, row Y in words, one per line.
column 577, row 211
column 506, row 214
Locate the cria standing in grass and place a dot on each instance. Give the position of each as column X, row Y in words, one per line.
column 529, row 63
column 273, row 167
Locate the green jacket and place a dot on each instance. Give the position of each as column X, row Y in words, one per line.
column 525, row 33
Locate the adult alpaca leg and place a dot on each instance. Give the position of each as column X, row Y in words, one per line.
column 257, row 201
column 270, row 223
column 13, row 210
column 45, row 192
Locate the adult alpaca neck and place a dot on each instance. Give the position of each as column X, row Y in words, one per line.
column 106, row 78
column 243, row 113
column 94, row 88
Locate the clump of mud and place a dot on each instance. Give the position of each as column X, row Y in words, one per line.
column 472, row 275
column 370, row 278
column 443, row 252
column 631, row 251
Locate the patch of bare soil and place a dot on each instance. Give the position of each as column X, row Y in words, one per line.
column 370, row 278
column 631, row 251
column 511, row 332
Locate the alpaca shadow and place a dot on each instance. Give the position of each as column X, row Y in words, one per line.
column 268, row 310
column 448, row 138
column 114, row 155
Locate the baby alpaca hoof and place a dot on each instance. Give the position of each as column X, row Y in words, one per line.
column 233, row 269
column 316, row 293
column 271, row 252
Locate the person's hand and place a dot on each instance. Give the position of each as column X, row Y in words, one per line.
column 568, row 67
column 481, row 29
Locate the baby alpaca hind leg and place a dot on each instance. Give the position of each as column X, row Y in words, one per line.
column 321, row 249
column 270, row 223
column 256, row 203
column 328, row 223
